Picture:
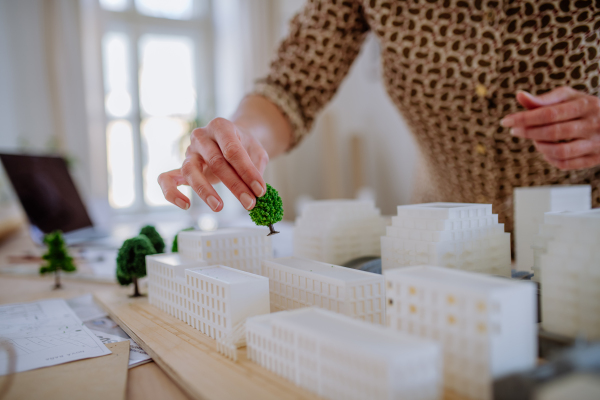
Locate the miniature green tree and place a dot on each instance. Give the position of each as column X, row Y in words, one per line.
column 155, row 238
column 268, row 209
column 175, row 247
column 57, row 257
column 131, row 261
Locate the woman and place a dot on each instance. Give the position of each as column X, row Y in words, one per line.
column 459, row 71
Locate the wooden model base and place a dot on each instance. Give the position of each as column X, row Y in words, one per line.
column 191, row 359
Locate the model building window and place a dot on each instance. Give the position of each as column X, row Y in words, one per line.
column 156, row 80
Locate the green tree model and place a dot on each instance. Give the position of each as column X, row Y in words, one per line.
column 131, row 261
column 155, row 238
column 175, row 247
column 57, row 257
column 268, row 210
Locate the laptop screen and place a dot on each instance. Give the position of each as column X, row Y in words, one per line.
column 47, row 192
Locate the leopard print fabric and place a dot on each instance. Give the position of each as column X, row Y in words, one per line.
column 452, row 68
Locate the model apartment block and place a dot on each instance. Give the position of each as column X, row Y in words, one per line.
column 530, row 205
column 296, row 282
column 337, row 231
column 486, row 325
column 239, row 248
column 570, row 274
column 213, row 299
column 338, row 357
column 453, row 235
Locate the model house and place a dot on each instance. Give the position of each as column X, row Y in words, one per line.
column 530, row 205
column 486, row 325
column 452, row 235
column 338, row 357
column 213, row 299
column 570, row 274
column 337, row 231
column 296, row 282
column 239, row 248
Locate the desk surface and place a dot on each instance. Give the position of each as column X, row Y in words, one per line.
column 147, row 382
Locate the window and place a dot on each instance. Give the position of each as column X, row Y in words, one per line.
column 157, row 87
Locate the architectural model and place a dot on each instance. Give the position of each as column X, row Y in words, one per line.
column 486, row 324
column 216, row 300
column 239, row 248
column 337, row 231
column 452, row 235
column 570, row 274
column 298, row 282
column 530, row 205
column 339, row 357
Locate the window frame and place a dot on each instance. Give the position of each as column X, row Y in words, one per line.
column 134, row 25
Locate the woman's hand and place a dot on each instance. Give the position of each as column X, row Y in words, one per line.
column 564, row 125
column 219, row 152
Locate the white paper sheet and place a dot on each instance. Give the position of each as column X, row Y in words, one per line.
column 86, row 308
column 137, row 355
column 45, row 333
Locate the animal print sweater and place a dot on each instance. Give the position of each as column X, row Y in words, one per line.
column 452, row 68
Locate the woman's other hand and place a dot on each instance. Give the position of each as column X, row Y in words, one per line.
column 564, row 125
column 219, row 152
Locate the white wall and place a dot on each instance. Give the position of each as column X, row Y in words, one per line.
column 42, row 104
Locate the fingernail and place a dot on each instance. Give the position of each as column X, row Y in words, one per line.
column 516, row 131
column 506, row 122
column 247, row 201
column 212, row 202
column 257, row 189
column 182, row 204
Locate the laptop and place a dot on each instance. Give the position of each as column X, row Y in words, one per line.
column 49, row 197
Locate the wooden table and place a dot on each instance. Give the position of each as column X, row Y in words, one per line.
column 146, row 382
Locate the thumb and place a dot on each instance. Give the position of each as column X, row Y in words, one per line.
column 555, row 96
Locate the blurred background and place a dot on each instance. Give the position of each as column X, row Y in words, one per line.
column 116, row 86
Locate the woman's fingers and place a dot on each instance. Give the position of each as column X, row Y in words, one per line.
column 228, row 140
column 566, row 111
column 569, row 150
column 168, row 182
column 215, row 160
column 577, row 129
column 555, row 96
column 589, row 161
column 192, row 173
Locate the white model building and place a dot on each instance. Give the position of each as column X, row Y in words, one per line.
column 486, row 324
column 341, row 358
column 297, row 282
column 570, row 274
column 530, row 205
column 337, row 231
column 213, row 299
column 239, row 248
column 452, row 235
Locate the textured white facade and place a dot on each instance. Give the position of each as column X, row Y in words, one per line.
column 213, row 299
column 297, row 282
column 341, row 358
column 486, row 325
column 452, row 235
column 337, row 231
column 239, row 248
column 530, row 205
column 570, row 274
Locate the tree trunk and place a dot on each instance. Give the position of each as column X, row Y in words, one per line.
column 272, row 229
column 57, row 284
column 136, row 291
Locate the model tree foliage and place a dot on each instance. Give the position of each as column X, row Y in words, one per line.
column 57, row 257
column 175, row 247
column 155, row 238
column 131, row 261
column 268, row 209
